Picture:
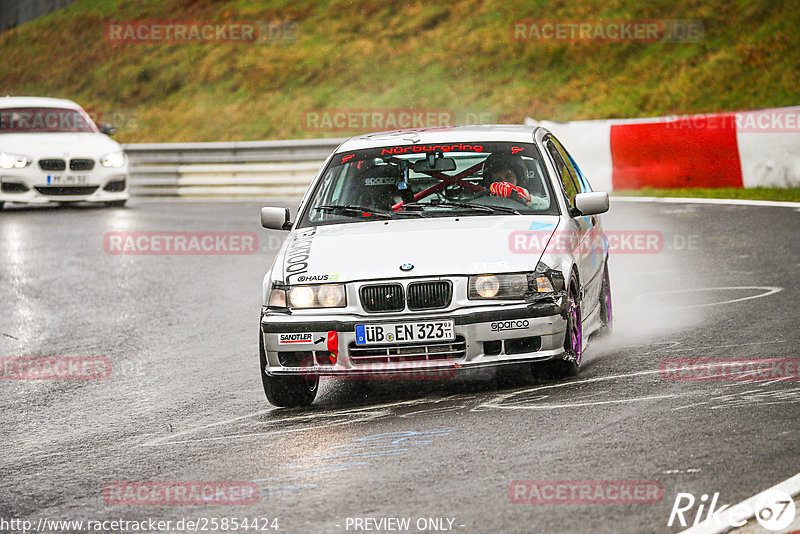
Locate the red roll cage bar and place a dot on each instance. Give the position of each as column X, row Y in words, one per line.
column 446, row 180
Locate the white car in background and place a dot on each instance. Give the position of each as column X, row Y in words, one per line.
column 51, row 150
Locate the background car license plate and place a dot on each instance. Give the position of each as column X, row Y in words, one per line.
column 376, row 334
column 67, row 179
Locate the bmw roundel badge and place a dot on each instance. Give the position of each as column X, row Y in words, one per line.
column 406, row 267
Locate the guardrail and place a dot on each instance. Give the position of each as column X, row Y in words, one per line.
column 246, row 168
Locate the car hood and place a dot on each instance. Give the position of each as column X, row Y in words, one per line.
column 434, row 246
column 58, row 145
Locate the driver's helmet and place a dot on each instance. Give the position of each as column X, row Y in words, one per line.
column 496, row 162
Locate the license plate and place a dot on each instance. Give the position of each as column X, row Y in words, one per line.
column 377, row 334
column 67, row 179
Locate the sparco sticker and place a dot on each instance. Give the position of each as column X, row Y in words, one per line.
column 298, row 253
column 520, row 324
column 306, row 337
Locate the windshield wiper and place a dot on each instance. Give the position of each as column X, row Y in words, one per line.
column 504, row 209
column 355, row 211
column 483, row 208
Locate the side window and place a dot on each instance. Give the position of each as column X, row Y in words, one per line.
column 582, row 183
column 564, row 173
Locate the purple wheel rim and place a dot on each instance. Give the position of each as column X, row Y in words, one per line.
column 575, row 328
column 607, row 284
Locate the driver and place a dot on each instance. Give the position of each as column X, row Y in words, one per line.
column 502, row 173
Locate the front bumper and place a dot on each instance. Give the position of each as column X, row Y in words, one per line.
column 30, row 186
column 489, row 336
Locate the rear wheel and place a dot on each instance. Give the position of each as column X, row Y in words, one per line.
column 286, row 391
column 573, row 342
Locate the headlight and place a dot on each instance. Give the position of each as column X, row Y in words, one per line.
column 13, row 161
column 331, row 296
column 113, row 159
column 325, row 296
column 498, row 286
column 277, row 298
column 548, row 280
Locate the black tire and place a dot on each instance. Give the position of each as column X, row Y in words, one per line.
column 116, row 203
column 573, row 342
column 606, row 308
column 2, row 204
column 285, row 391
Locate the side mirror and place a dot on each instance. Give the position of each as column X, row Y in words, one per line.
column 591, row 203
column 276, row 218
column 107, row 129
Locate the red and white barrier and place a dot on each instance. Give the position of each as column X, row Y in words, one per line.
column 743, row 149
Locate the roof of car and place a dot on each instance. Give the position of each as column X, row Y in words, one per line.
column 450, row 134
column 36, row 102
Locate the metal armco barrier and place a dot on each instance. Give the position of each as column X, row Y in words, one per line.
column 246, row 168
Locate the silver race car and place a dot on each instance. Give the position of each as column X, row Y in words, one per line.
column 425, row 252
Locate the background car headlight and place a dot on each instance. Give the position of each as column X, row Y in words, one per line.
column 113, row 159
column 13, row 161
column 498, row 286
column 325, row 296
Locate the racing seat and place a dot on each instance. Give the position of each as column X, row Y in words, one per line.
column 375, row 187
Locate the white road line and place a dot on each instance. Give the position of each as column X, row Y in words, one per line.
column 770, row 290
column 730, row 201
column 361, row 410
column 580, row 404
column 261, row 434
column 790, row 486
column 495, row 402
column 701, row 347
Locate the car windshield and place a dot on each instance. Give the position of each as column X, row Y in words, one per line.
column 44, row 120
column 447, row 180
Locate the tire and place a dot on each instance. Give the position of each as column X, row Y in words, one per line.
column 573, row 342
column 116, row 203
column 2, row 204
column 285, row 391
column 606, row 308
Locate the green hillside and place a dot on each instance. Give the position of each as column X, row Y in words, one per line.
column 360, row 54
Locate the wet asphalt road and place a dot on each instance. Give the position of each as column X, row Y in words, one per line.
column 184, row 400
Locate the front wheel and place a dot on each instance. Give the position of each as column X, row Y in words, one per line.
column 606, row 310
column 286, row 391
column 573, row 342
column 116, row 203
